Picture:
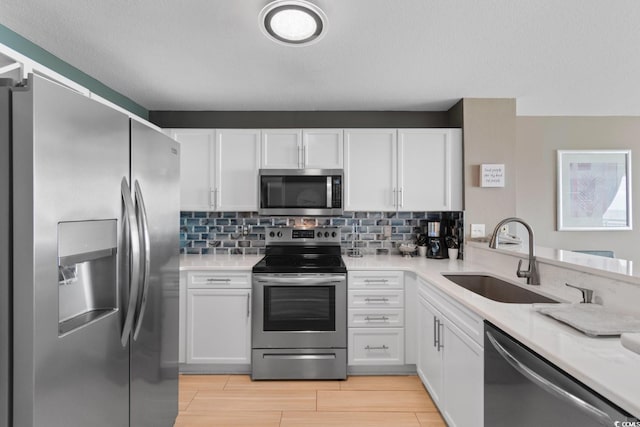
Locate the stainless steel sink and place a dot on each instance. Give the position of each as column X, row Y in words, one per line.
column 496, row 289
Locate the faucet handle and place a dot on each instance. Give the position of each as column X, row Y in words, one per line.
column 520, row 272
column 587, row 294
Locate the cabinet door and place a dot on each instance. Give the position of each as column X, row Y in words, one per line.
column 425, row 169
column 182, row 319
column 281, row 149
column 429, row 355
column 236, row 169
column 370, row 170
column 322, row 148
column 219, row 326
column 463, row 372
column 196, row 174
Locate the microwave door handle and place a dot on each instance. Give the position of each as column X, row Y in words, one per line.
column 602, row 417
column 329, row 199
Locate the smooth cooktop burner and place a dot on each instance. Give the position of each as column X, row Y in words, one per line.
column 301, row 250
column 300, row 262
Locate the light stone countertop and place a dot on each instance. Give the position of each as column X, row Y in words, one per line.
column 601, row 363
column 218, row 262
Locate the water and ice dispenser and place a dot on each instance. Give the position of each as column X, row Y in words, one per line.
column 87, row 272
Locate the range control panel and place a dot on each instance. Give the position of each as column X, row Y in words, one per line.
column 302, row 235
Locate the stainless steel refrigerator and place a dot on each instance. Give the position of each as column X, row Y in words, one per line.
column 89, row 202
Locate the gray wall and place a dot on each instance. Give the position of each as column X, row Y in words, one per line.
column 537, row 140
column 489, row 132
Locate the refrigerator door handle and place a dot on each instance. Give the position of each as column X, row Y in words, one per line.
column 146, row 254
column 132, row 239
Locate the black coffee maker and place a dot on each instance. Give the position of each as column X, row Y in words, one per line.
column 436, row 244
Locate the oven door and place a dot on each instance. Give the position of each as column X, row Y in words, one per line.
column 299, row 311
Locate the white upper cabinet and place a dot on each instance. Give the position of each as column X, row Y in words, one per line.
column 429, row 169
column 370, row 169
column 403, row 169
column 281, row 149
column 302, row 148
column 196, row 174
column 322, row 148
column 237, row 159
column 218, row 169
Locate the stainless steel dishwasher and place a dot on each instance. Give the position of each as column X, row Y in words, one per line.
column 523, row 389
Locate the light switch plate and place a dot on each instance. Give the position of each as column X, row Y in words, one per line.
column 477, row 230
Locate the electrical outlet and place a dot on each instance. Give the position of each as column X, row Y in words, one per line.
column 477, row 230
column 387, row 231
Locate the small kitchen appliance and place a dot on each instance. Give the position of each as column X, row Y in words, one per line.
column 299, row 324
column 300, row 192
column 436, row 244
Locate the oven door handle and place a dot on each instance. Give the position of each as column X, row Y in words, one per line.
column 301, row 281
column 296, row 356
column 602, row 417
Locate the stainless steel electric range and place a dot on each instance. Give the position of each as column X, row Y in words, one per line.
column 299, row 328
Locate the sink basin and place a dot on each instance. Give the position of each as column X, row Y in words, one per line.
column 496, row 289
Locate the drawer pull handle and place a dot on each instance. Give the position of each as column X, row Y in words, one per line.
column 376, row 319
column 383, row 347
column 375, row 280
column 376, row 299
column 211, row 279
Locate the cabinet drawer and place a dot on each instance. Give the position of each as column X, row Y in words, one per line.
column 375, row 279
column 376, row 298
column 376, row 317
column 376, row 346
column 218, row 280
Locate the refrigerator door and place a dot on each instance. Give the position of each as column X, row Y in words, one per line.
column 5, row 253
column 69, row 156
column 154, row 344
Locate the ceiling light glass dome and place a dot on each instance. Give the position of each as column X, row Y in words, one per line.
column 293, row 22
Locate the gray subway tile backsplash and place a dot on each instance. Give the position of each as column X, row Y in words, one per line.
column 220, row 233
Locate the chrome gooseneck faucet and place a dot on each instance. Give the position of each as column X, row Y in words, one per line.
column 532, row 273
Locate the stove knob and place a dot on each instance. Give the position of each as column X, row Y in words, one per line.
column 319, row 234
column 326, row 234
column 333, row 234
column 279, row 233
column 272, row 234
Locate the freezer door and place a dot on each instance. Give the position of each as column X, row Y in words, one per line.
column 154, row 343
column 5, row 251
column 70, row 154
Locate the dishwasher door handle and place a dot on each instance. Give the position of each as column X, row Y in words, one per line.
column 547, row 385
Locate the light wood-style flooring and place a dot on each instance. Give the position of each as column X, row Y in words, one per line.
column 363, row 401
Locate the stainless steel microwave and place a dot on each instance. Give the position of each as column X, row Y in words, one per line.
column 300, row 192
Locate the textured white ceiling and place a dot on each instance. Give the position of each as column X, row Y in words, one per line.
column 556, row 57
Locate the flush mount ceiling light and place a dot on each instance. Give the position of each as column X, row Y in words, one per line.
column 293, row 22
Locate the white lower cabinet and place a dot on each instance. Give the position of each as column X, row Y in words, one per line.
column 450, row 362
column 218, row 317
column 429, row 364
column 376, row 318
column 463, row 378
column 376, row 346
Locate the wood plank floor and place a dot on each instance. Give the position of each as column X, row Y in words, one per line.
column 362, row 401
